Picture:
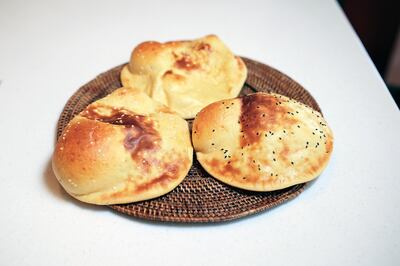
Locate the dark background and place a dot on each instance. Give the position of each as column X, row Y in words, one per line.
column 377, row 25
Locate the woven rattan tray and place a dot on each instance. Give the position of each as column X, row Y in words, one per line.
column 200, row 197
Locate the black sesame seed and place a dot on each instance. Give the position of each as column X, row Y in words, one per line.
column 213, row 130
column 292, row 163
column 274, row 160
column 280, row 138
column 212, row 144
column 273, row 152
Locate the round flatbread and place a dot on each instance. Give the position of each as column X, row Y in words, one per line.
column 123, row 148
column 262, row 142
column 185, row 75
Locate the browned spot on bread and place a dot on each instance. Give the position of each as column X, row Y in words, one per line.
column 137, row 141
column 329, row 145
column 148, row 46
column 140, row 132
column 116, row 116
column 171, row 74
column 204, row 46
column 165, row 109
column 170, row 174
column 87, row 134
column 284, row 152
column 223, row 168
column 168, row 72
column 186, row 63
column 240, row 62
column 260, row 114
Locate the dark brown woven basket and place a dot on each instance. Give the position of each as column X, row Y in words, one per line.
column 200, row 197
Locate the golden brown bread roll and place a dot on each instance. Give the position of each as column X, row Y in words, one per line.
column 185, row 75
column 123, row 148
column 262, row 142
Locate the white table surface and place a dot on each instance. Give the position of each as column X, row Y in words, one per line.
column 48, row 49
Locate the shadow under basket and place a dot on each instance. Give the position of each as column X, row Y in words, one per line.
column 200, row 197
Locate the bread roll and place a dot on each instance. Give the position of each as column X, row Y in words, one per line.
column 123, row 148
column 185, row 75
column 262, row 142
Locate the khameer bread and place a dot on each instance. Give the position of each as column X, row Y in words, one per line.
column 123, row 148
column 185, row 75
column 262, row 142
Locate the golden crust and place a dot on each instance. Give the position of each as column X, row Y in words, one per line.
column 185, row 75
column 274, row 142
column 123, row 148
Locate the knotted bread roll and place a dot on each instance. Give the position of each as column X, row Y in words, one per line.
column 262, row 142
column 185, row 75
column 123, row 148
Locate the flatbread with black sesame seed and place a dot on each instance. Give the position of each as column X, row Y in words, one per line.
column 262, row 142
